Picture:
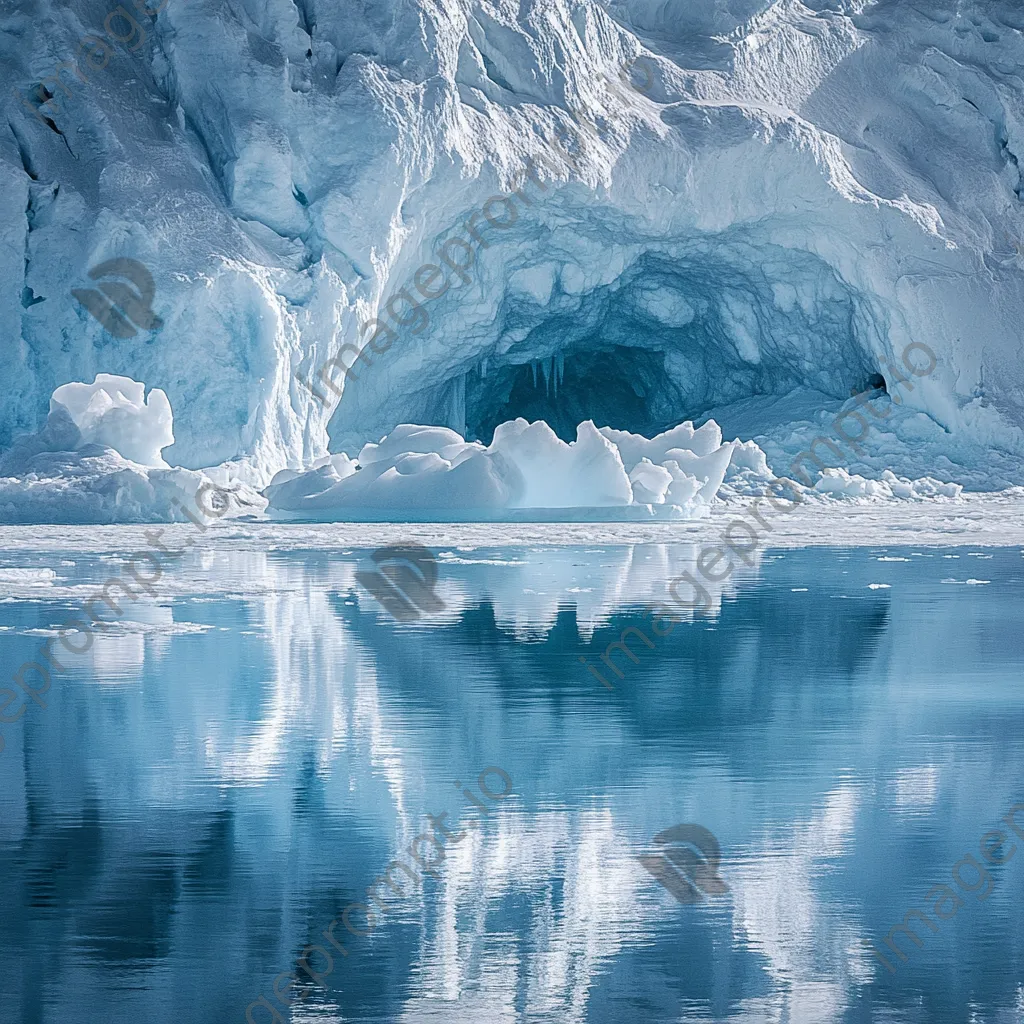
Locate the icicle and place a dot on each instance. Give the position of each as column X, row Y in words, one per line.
column 544, row 374
column 533, row 366
column 561, row 369
column 460, row 404
column 483, row 367
column 455, row 405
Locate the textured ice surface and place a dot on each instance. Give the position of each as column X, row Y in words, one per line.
column 423, row 471
column 115, row 411
column 98, row 459
column 795, row 194
column 977, row 520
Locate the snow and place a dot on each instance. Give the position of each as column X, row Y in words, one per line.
column 66, row 473
column 422, row 472
column 940, row 525
column 838, row 483
column 773, row 206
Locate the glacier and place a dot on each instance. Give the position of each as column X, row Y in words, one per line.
column 373, row 222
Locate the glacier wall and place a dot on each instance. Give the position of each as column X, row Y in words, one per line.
column 789, row 194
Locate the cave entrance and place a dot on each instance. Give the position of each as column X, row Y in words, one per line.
column 672, row 336
column 613, row 387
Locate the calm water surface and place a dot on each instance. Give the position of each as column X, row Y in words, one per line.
column 232, row 764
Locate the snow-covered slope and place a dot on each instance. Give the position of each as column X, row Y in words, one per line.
column 773, row 203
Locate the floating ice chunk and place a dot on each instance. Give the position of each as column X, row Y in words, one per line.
column 113, row 411
column 900, row 486
column 929, row 487
column 747, row 455
column 290, row 487
column 417, row 471
column 708, row 469
column 684, row 489
column 97, row 460
column 36, row 577
column 409, row 483
column 839, row 484
column 696, row 453
column 432, row 472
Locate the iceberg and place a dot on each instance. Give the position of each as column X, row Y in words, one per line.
column 98, row 459
column 527, row 471
column 115, row 411
column 423, row 473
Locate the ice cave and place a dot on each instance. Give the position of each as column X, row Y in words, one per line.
column 632, row 219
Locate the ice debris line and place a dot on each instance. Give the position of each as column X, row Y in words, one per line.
column 528, row 472
column 99, row 459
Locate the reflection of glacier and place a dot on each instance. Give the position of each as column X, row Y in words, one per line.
column 197, row 804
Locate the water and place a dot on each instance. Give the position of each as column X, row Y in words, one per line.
column 230, row 766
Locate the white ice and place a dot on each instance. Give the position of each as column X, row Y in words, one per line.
column 800, row 192
column 420, row 473
column 114, row 411
column 780, row 200
column 98, row 459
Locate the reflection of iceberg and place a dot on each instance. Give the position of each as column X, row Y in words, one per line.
column 268, row 768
